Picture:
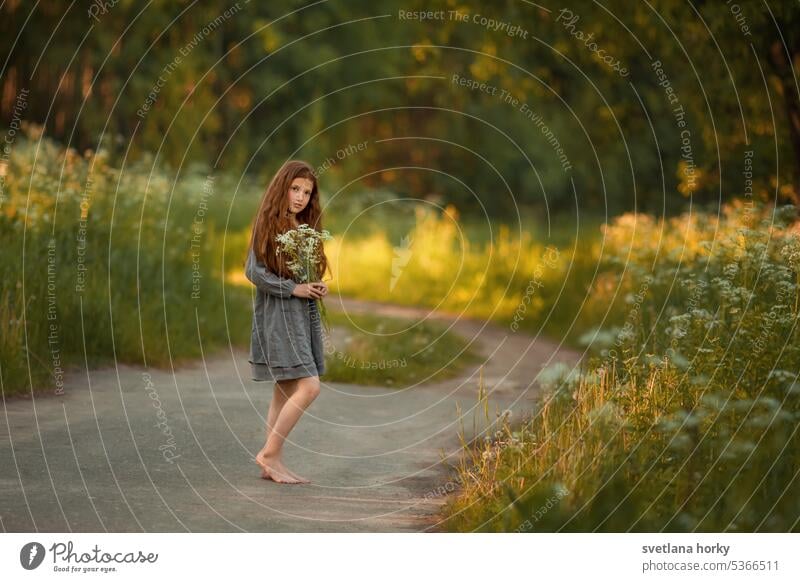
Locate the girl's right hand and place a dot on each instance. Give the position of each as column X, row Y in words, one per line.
column 310, row 290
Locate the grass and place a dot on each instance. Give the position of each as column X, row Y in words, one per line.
column 102, row 265
column 686, row 418
column 511, row 278
column 95, row 272
column 394, row 352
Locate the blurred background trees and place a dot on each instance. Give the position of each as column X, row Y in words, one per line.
column 246, row 85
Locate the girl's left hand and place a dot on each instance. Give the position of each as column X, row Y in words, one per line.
column 321, row 287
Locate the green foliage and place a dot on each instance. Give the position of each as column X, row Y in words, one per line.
column 686, row 418
column 105, row 265
column 112, row 267
column 242, row 87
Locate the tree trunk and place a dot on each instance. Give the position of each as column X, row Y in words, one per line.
column 781, row 64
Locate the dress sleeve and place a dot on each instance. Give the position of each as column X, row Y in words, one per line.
column 266, row 280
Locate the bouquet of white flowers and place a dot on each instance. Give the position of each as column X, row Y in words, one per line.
column 303, row 245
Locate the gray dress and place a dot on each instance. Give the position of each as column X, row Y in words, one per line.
column 286, row 340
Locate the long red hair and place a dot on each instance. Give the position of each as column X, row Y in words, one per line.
column 273, row 217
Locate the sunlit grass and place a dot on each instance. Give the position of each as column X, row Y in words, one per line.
column 686, row 419
column 435, row 264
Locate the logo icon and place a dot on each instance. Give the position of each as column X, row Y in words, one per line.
column 31, row 555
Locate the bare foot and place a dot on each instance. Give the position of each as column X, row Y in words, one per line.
column 296, row 476
column 261, row 457
column 273, row 468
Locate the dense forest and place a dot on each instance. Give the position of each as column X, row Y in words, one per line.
column 608, row 106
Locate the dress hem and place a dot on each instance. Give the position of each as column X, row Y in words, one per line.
column 265, row 372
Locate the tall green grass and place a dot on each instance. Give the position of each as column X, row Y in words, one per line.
column 686, row 418
column 99, row 266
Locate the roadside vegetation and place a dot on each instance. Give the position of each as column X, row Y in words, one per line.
column 686, row 418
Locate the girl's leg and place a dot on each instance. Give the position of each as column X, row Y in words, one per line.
column 283, row 389
column 307, row 389
column 280, row 394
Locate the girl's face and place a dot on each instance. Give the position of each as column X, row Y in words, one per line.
column 299, row 194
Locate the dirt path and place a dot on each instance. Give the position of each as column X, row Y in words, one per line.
column 127, row 449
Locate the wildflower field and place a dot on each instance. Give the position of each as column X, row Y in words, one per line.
column 686, row 416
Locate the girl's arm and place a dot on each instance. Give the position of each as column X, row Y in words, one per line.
column 266, row 280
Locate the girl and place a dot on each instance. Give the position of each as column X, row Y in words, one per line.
column 286, row 342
